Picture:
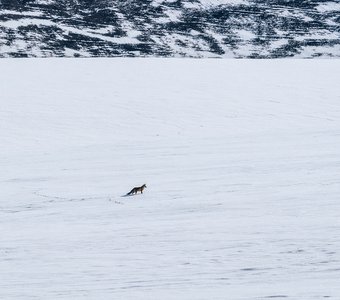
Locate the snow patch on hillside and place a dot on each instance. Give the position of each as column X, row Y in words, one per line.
column 328, row 7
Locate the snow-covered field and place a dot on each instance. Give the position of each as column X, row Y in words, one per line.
column 241, row 159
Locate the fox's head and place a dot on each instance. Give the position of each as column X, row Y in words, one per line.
column 144, row 185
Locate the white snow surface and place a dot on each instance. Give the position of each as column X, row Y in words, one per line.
column 241, row 159
column 329, row 6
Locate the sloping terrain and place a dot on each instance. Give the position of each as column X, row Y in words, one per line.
column 180, row 28
column 241, row 159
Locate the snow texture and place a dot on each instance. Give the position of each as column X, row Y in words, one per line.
column 241, row 159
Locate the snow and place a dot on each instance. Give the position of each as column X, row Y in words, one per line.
column 20, row 13
column 241, row 159
column 329, row 6
column 222, row 2
column 14, row 24
column 204, row 2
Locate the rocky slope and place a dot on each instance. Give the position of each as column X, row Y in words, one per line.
column 180, row 28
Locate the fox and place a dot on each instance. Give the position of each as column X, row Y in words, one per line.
column 135, row 190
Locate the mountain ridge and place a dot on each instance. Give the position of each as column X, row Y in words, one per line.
column 191, row 28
